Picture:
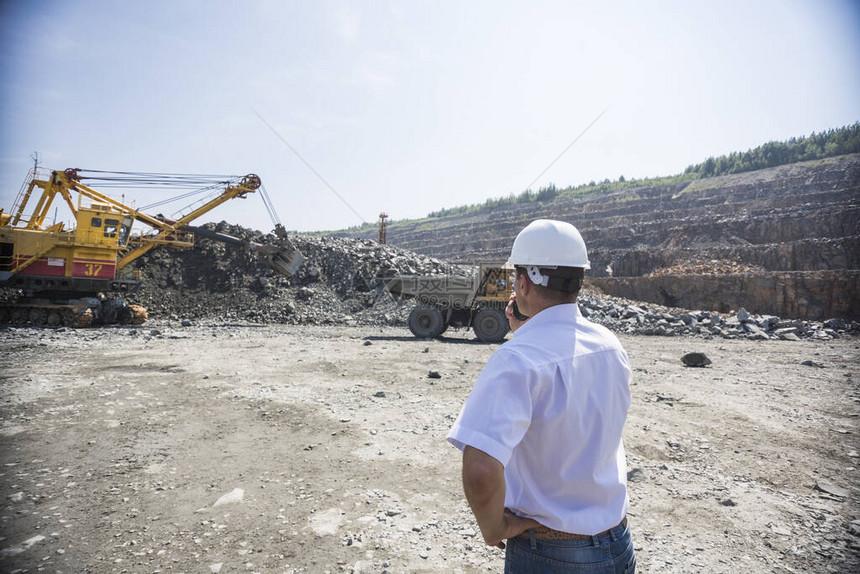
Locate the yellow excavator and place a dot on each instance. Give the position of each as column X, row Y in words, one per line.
column 64, row 276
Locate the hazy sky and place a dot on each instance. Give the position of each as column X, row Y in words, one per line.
column 409, row 107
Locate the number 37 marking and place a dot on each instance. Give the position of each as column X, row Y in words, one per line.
column 92, row 270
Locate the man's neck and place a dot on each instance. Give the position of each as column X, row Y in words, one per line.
column 539, row 305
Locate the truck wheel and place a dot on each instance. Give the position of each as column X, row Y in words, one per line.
column 490, row 325
column 426, row 321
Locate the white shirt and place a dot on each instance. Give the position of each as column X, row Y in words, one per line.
column 550, row 405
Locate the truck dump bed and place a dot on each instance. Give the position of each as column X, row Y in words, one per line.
column 443, row 290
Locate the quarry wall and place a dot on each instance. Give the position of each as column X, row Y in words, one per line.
column 795, row 294
column 784, row 240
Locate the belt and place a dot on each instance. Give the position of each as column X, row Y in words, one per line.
column 547, row 533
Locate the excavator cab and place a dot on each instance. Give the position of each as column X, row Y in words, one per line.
column 101, row 225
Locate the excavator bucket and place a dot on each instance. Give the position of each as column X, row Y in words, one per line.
column 284, row 258
column 286, row 261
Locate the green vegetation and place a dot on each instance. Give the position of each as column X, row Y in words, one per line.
column 545, row 194
column 815, row 146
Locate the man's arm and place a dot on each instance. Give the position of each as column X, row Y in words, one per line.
column 484, row 485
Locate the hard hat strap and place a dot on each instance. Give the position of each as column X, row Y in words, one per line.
column 566, row 284
column 557, row 282
column 535, row 275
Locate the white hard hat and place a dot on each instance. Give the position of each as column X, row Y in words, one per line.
column 549, row 243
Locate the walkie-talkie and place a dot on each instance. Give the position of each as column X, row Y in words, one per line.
column 519, row 316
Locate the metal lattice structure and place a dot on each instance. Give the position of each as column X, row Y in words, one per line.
column 383, row 224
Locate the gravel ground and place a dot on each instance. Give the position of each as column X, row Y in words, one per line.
column 251, row 448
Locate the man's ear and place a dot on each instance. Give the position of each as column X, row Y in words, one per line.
column 525, row 284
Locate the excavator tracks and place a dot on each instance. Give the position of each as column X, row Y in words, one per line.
column 75, row 316
column 45, row 316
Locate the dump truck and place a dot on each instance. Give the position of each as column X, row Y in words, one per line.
column 477, row 301
column 82, row 276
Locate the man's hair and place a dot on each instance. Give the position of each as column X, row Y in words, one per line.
column 563, row 285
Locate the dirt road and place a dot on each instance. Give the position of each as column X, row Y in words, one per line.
column 288, row 449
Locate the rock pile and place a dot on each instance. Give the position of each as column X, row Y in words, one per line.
column 630, row 317
column 710, row 267
column 340, row 282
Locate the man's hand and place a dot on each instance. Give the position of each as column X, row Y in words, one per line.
column 509, row 313
column 514, row 526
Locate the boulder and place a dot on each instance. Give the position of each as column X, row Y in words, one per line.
column 695, row 359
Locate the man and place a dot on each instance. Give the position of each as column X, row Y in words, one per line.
column 543, row 462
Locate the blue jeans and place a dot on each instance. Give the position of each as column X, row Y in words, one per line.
column 610, row 553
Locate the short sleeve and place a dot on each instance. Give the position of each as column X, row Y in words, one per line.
column 498, row 411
